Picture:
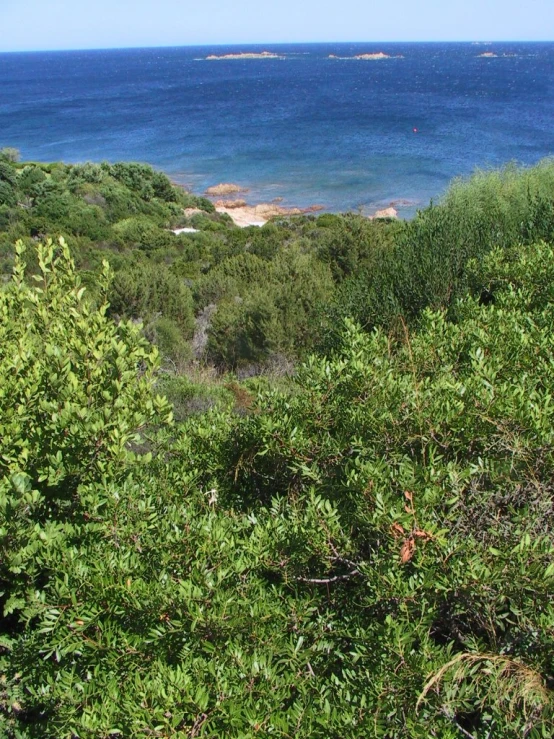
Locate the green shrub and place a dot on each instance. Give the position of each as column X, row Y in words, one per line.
column 147, row 291
column 426, row 471
column 367, row 555
column 9, row 154
column 75, row 392
column 70, row 391
column 424, row 265
column 264, row 307
column 28, row 177
column 175, row 350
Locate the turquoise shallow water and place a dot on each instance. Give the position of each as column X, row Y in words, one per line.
column 305, row 128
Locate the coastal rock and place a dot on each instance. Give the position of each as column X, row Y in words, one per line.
column 403, row 203
column 385, row 213
column 368, row 57
column 230, row 203
column 189, row 212
column 225, row 188
column 259, row 215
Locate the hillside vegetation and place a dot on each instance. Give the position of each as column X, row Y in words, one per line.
column 361, row 545
column 264, row 297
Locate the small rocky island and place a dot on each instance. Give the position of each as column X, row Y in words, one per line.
column 368, row 57
column 247, row 55
column 372, row 57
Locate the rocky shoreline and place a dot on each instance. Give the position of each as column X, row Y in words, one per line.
column 227, row 198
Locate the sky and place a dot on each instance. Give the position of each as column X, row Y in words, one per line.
column 30, row 25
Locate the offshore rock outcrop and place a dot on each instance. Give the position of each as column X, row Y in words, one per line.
column 246, row 55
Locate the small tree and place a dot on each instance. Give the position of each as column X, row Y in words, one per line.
column 10, row 154
column 75, row 393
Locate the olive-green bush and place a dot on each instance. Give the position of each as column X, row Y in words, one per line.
column 366, row 554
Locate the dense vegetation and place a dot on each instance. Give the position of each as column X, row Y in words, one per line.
column 263, row 297
column 360, row 547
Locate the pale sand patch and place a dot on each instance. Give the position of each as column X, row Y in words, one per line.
column 189, row 212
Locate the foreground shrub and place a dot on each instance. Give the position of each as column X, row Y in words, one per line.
column 75, row 392
column 415, row 489
column 369, row 555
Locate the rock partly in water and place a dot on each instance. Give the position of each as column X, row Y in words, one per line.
column 225, row 188
column 258, row 215
column 385, row 213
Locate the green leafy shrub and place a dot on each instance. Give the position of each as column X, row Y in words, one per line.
column 9, row 154
column 75, row 391
column 175, row 351
column 148, row 291
column 426, row 471
column 424, row 264
column 264, row 307
column 369, row 554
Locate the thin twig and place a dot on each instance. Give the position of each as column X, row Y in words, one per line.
column 461, row 728
column 200, row 721
column 328, row 580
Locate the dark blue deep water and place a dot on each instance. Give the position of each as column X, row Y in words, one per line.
column 310, row 129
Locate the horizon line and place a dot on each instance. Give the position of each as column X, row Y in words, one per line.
column 275, row 43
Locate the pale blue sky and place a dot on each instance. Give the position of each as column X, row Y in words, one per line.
column 74, row 24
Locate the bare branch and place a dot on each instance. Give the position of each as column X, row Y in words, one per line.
column 328, row 580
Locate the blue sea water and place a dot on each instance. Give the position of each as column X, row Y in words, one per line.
column 344, row 133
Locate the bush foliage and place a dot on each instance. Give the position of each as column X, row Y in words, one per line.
column 362, row 549
column 367, row 555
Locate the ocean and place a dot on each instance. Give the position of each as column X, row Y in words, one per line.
column 344, row 133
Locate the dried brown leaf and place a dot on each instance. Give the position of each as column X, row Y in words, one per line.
column 419, row 534
column 407, row 550
column 397, row 529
